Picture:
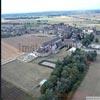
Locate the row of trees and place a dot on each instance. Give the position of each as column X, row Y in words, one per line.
column 66, row 74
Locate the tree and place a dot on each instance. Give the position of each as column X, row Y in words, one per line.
column 91, row 36
column 49, row 95
column 53, row 79
column 42, row 97
column 47, row 85
column 61, row 87
column 87, row 39
column 86, row 42
column 64, row 74
column 65, row 60
column 94, row 55
column 81, row 67
column 97, row 40
column 59, row 63
column 57, row 71
column 91, row 55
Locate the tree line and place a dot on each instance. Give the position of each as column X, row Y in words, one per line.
column 66, row 74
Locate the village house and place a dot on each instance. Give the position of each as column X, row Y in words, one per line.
column 51, row 46
column 70, row 43
column 54, row 45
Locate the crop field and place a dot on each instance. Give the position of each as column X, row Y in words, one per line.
column 26, row 40
column 25, row 76
column 91, row 84
column 79, row 20
column 8, row 52
column 60, row 19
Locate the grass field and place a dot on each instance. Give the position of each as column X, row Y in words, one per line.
column 25, row 75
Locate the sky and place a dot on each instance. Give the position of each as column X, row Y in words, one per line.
column 24, row 6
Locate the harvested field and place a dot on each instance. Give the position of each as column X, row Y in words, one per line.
column 91, row 84
column 12, row 47
column 8, row 52
column 30, row 41
column 25, row 75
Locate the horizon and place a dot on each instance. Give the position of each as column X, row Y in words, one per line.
column 34, row 6
column 51, row 11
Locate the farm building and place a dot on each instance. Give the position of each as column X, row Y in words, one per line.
column 69, row 43
column 54, row 45
column 51, row 46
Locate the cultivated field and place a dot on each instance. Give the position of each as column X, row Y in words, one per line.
column 12, row 47
column 8, row 52
column 91, row 84
column 80, row 20
column 26, row 40
column 60, row 19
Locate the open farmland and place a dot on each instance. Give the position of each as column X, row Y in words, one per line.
column 60, row 19
column 91, row 84
column 81, row 20
column 8, row 52
column 25, row 75
column 26, row 40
